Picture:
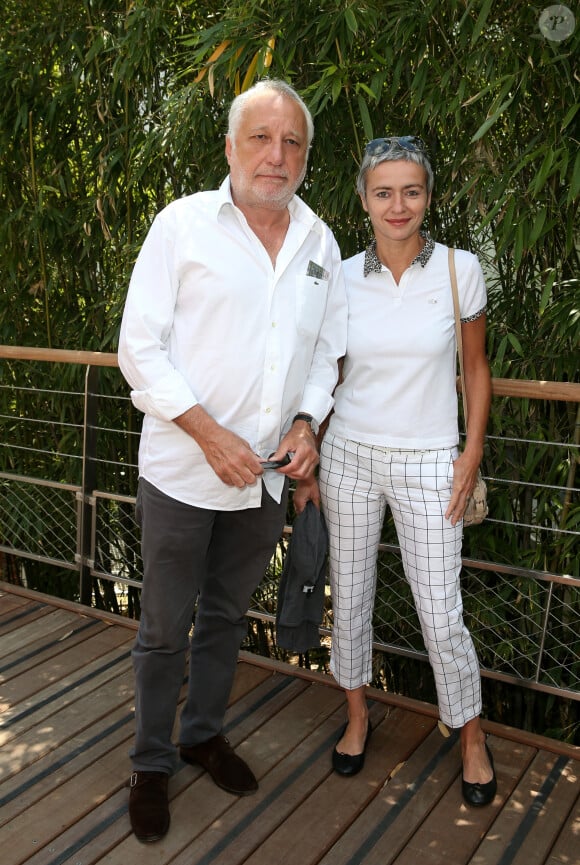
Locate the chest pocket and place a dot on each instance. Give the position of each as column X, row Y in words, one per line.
column 311, row 295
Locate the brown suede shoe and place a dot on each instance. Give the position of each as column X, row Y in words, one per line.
column 148, row 805
column 219, row 759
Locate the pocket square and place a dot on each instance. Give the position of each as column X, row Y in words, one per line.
column 316, row 270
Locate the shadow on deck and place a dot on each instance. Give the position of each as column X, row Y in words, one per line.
column 66, row 725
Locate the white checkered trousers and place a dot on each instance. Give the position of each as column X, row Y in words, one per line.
column 357, row 482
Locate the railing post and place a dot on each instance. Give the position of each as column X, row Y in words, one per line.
column 89, row 481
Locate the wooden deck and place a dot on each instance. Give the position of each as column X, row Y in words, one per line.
column 66, row 724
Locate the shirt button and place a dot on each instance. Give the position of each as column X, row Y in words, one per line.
column 274, row 324
column 268, row 410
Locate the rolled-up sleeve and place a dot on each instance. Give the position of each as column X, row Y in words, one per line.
column 158, row 388
column 317, row 398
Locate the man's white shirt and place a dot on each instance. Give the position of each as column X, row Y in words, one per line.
column 209, row 320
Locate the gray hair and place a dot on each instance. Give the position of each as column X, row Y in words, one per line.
column 283, row 88
column 392, row 150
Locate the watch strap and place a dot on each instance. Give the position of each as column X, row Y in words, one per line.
column 304, row 416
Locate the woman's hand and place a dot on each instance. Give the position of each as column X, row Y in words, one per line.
column 464, row 476
column 478, row 393
column 306, row 491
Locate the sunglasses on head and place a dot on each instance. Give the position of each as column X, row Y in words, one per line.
column 378, row 146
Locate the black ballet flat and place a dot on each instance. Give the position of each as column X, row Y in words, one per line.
column 349, row 764
column 478, row 795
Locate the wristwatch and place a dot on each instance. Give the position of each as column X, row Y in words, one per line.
column 302, row 415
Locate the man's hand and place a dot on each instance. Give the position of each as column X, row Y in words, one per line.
column 229, row 455
column 301, row 441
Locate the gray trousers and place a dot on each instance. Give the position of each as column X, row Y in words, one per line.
column 214, row 558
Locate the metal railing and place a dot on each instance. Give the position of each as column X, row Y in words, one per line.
column 68, row 480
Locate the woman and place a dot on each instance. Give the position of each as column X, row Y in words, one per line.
column 392, row 440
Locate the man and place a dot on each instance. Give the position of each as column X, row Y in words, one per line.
column 234, row 321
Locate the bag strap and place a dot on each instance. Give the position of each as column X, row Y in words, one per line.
column 458, row 338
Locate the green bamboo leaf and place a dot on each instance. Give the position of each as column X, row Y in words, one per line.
column 369, row 91
column 544, row 171
column 336, row 89
column 365, row 117
column 467, row 187
column 570, row 116
column 377, row 83
column 547, row 292
column 350, row 19
column 491, row 120
column 489, row 88
column 519, row 242
column 537, row 226
column 418, row 84
column 564, row 160
column 498, row 360
column 515, row 343
column 574, row 190
column 429, row 108
column 481, row 21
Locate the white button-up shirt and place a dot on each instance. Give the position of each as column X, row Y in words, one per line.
column 209, row 320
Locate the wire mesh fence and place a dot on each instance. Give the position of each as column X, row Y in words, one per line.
column 68, row 480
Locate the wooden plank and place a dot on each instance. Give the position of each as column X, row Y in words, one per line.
column 91, row 837
column 232, row 835
column 533, row 740
column 87, row 790
column 500, row 386
column 101, row 829
column 247, row 678
column 311, row 830
column 65, row 763
column 202, row 804
column 535, row 389
column 10, row 601
column 63, row 694
column 566, row 850
column 51, row 817
column 236, row 833
column 36, row 652
column 62, row 604
column 14, row 619
column 247, row 825
column 33, row 746
column 98, row 816
column 30, row 773
column 46, row 744
column 59, row 355
column 60, row 668
column 30, row 638
column 529, row 824
column 404, row 824
column 412, row 789
column 466, row 826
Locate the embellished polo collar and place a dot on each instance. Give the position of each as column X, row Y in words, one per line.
column 373, row 264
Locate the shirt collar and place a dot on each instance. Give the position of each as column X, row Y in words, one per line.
column 299, row 211
column 372, row 263
column 224, row 195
